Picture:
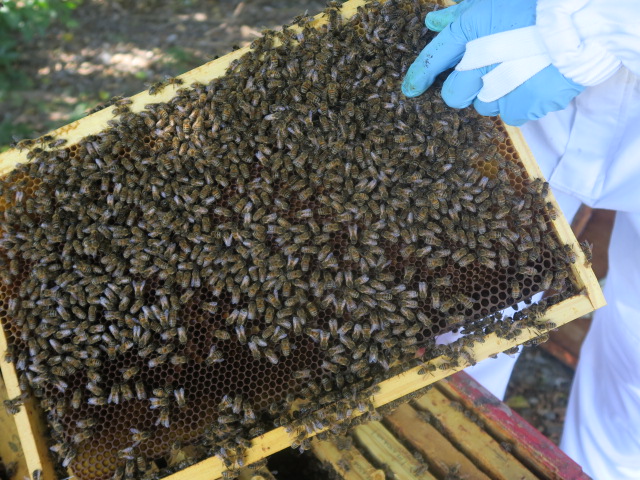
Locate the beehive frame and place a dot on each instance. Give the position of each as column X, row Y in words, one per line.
column 30, row 427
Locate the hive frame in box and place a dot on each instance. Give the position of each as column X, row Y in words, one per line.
column 31, row 427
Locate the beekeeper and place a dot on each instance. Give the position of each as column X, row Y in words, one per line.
column 573, row 65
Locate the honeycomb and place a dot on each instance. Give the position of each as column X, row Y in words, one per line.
column 288, row 234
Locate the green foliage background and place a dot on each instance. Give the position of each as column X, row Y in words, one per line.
column 21, row 21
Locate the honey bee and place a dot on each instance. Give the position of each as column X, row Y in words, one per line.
column 459, row 254
column 487, row 262
column 174, row 81
column 466, row 302
column 443, row 281
column 331, row 367
column 447, row 305
column 129, row 373
column 164, row 418
column 271, row 356
column 324, row 340
column 178, row 394
column 126, row 392
column 305, row 87
column 466, row 260
column 12, row 406
column 503, row 258
column 156, row 87
column 514, row 286
column 558, row 278
column 547, row 279
column 222, row 335
column 139, row 435
column 435, row 299
column 427, row 368
column 98, row 401
column 435, row 262
column 24, row 144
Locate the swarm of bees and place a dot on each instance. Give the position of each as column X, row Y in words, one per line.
column 292, row 232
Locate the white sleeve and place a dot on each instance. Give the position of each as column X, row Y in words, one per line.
column 589, row 40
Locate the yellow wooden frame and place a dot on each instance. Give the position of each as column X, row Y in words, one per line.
column 10, row 446
column 30, row 428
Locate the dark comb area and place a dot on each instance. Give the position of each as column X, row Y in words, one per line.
column 262, row 247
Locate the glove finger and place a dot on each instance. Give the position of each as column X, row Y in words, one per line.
column 442, row 53
column 514, row 120
column 438, row 20
column 488, row 109
column 520, row 106
column 461, row 88
column 547, row 91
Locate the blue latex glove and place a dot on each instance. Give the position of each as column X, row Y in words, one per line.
column 545, row 92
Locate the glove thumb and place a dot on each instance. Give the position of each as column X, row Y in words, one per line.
column 438, row 20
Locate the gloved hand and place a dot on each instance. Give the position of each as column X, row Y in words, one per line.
column 546, row 91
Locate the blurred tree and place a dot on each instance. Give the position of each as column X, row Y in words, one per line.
column 20, row 21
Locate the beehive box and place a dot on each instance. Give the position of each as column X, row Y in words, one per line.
column 230, row 299
column 456, row 430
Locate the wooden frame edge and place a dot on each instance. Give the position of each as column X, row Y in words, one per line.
column 585, row 277
column 394, row 388
column 30, row 430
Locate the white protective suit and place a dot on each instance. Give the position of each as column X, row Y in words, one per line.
column 590, row 152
